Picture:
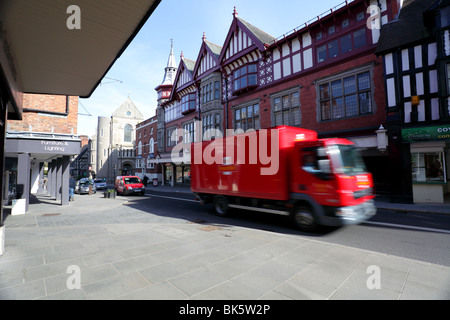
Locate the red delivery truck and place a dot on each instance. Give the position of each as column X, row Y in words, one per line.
column 284, row 170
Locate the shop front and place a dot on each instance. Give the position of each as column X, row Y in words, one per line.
column 430, row 156
column 27, row 156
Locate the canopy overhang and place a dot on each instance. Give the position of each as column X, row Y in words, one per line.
column 40, row 53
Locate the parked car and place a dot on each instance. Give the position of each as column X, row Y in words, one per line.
column 100, row 184
column 82, row 186
column 129, row 185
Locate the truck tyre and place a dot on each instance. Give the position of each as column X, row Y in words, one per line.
column 304, row 218
column 221, row 205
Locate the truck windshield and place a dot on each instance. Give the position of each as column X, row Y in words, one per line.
column 347, row 160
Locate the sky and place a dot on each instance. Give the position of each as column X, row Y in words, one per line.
column 140, row 69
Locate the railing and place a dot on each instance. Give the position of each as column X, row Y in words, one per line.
column 313, row 20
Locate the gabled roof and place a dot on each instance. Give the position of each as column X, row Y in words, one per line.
column 186, row 65
column 128, row 105
column 409, row 29
column 259, row 38
column 207, row 48
column 263, row 37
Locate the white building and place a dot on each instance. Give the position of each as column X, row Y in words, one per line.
column 113, row 147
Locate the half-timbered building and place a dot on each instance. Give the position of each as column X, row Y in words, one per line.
column 416, row 57
column 323, row 75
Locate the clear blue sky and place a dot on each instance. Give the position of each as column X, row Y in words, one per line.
column 141, row 67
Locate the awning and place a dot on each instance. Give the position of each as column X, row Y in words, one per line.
column 39, row 53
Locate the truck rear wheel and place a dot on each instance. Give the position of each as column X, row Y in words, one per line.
column 304, row 218
column 221, row 205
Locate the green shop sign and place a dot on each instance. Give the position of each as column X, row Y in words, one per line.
column 436, row 133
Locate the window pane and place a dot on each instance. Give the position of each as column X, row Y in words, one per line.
column 326, row 111
column 243, row 113
column 243, row 82
column 349, row 85
column 250, row 123
column 278, row 119
column 295, row 99
column 338, row 108
column 251, row 68
column 256, row 109
column 250, row 111
column 252, row 79
column 277, row 104
column 237, row 115
column 346, row 44
column 286, row 117
column 257, row 124
column 333, row 49
column 321, row 53
column 359, row 38
column 286, row 103
column 324, row 92
column 296, row 116
column 364, row 81
column 365, row 104
column 336, row 88
column 237, row 85
column 351, row 106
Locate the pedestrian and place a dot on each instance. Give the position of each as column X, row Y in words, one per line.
column 145, row 181
column 72, row 184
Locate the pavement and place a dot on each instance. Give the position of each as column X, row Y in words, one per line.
column 106, row 249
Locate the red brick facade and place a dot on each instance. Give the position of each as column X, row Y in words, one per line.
column 48, row 113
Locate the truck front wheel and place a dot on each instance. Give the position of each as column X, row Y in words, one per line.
column 221, row 205
column 304, row 218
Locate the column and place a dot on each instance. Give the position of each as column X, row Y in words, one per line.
column 49, row 178
column 34, row 187
column 53, row 182
column 41, row 177
column 23, row 177
column 58, row 179
column 65, row 168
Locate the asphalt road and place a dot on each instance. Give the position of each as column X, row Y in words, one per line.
column 424, row 237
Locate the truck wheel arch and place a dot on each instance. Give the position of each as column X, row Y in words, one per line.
column 221, row 207
column 309, row 209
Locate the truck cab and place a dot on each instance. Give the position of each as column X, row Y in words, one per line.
column 332, row 178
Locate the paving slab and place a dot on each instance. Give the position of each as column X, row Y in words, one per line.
column 123, row 253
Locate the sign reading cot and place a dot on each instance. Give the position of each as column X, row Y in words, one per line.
column 436, row 133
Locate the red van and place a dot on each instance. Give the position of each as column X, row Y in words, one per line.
column 129, row 185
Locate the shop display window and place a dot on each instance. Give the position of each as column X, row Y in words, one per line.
column 428, row 167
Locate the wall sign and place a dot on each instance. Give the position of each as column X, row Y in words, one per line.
column 435, row 133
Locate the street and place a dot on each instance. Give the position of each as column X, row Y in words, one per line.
column 420, row 236
column 166, row 246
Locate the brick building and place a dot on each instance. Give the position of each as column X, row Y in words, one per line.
column 146, row 150
column 323, row 75
column 44, row 140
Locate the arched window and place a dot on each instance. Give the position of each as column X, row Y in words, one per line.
column 127, row 133
column 152, row 146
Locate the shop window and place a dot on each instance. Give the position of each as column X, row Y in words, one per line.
column 428, row 167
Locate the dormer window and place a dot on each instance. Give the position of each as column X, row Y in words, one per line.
column 244, row 78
